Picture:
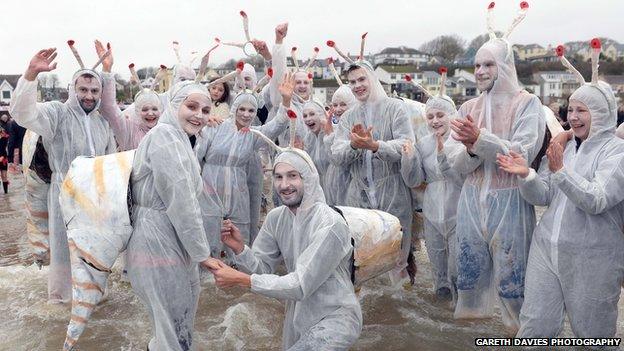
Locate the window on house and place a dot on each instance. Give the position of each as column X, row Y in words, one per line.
column 6, row 94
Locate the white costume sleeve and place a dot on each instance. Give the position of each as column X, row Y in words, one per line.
column 525, row 135
column 319, row 260
column 411, row 168
column 41, row 118
column 390, row 150
column 535, row 188
column 265, row 256
column 279, row 70
column 601, row 193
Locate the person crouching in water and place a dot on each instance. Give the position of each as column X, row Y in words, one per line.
column 322, row 311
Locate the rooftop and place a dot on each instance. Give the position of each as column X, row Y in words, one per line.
column 401, row 50
column 399, row 68
column 10, row 78
column 462, row 81
column 325, row 83
column 527, row 81
column 431, row 74
column 528, row 46
column 614, row 79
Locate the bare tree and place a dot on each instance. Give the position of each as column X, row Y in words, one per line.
column 48, row 80
column 256, row 61
column 147, row 72
column 53, row 81
column 478, row 41
column 230, row 64
column 448, row 47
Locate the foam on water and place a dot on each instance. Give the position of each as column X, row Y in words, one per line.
column 233, row 319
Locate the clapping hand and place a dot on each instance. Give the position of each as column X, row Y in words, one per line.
column 513, row 163
column 362, row 138
column 465, row 130
column 555, row 157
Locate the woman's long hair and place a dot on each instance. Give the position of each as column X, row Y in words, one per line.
column 226, row 92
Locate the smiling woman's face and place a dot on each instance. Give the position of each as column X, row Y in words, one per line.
column 193, row 113
column 245, row 114
column 579, row 119
column 438, row 121
column 312, row 119
column 150, row 114
column 216, row 92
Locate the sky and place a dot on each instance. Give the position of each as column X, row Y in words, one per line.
column 142, row 31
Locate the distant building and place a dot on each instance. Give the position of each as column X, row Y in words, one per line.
column 614, row 51
column 393, row 74
column 468, row 75
column 548, row 57
column 8, row 82
column 323, row 90
column 531, row 86
column 555, row 85
column 401, row 55
column 459, row 86
column 528, row 52
column 320, row 68
column 611, row 49
column 616, row 82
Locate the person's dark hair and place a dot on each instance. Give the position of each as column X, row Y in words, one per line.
column 226, row 93
column 352, row 68
column 538, row 159
column 87, row 75
column 563, row 115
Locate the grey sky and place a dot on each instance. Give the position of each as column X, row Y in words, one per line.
column 142, row 31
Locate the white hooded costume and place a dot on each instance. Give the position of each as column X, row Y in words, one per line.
column 168, row 239
column 576, row 262
column 322, row 311
column 494, row 222
column 67, row 132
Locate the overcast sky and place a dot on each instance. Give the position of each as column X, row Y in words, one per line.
column 142, row 31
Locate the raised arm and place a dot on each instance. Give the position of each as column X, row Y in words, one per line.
column 40, row 118
column 279, row 123
column 278, row 63
column 273, row 128
column 122, row 127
